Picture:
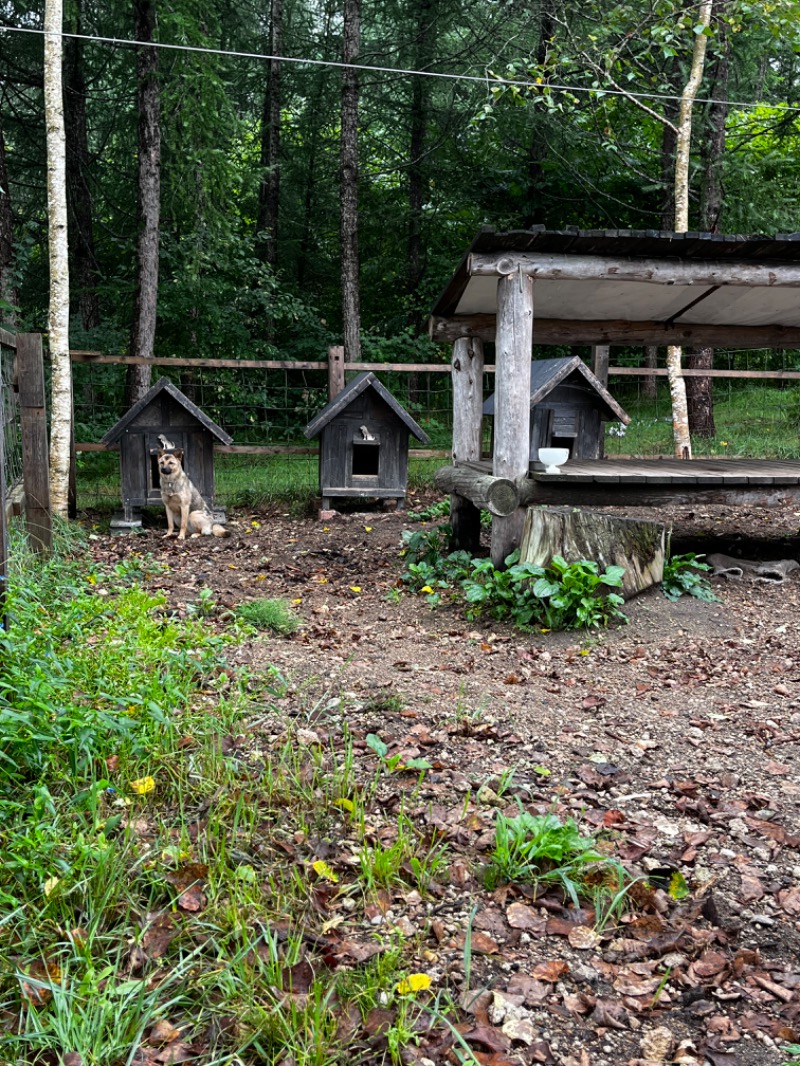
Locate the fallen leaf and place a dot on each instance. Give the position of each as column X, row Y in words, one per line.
column 521, row 916
column 551, row 971
column 582, row 938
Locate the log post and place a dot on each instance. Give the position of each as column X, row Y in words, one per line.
column 335, row 370
column 512, row 400
column 600, row 357
column 467, row 375
column 4, row 408
column 495, row 494
column 29, row 376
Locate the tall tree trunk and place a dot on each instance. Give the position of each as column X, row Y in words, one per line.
column 348, row 195
column 269, row 187
column 677, row 382
column 58, row 318
column 424, row 50
column 8, row 291
column 699, row 390
column 84, row 270
column 143, row 332
column 537, row 146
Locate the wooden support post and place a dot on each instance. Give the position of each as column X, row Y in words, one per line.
column 29, row 377
column 467, row 371
column 600, row 356
column 512, row 400
column 335, row 370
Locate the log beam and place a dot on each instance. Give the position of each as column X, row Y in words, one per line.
column 512, row 420
column 467, row 375
column 653, row 271
column 622, row 332
column 496, row 494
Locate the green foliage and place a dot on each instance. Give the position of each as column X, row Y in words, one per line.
column 794, row 1051
column 559, row 596
column 274, row 615
column 541, row 849
column 685, row 575
column 89, row 662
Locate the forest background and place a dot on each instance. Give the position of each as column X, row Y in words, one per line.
column 296, row 202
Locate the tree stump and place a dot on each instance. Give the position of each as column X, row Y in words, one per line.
column 637, row 546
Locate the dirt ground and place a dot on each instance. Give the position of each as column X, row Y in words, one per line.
column 677, row 734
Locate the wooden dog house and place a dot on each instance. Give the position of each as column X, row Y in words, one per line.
column 163, row 418
column 363, row 442
column 568, row 408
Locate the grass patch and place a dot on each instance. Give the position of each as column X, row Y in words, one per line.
column 272, row 615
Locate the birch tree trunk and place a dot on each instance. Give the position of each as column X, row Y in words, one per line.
column 58, row 318
column 351, row 297
column 143, row 331
column 683, row 143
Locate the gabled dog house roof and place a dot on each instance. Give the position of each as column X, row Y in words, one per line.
column 632, row 287
column 547, row 374
column 353, row 389
column 164, row 385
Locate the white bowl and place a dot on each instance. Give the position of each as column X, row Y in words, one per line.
column 553, row 458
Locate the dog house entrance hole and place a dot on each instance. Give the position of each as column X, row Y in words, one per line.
column 366, row 457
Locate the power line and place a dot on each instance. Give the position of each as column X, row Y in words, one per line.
column 489, row 81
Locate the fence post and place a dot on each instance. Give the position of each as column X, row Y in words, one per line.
column 335, row 370
column 3, row 529
column 33, row 423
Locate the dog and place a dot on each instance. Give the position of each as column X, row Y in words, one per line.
column 182, row 501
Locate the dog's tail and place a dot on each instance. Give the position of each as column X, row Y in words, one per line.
column 220, row 531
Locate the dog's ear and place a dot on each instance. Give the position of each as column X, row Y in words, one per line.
column 159, row 453
column 178, row 453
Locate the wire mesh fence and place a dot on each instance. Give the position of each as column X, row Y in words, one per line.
column 269, row 406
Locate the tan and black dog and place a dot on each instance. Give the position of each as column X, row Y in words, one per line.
column 184, row 504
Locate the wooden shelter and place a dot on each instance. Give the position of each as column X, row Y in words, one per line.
column 162, row 414
column 568, row 408
column 363, row 448
column 597, row 287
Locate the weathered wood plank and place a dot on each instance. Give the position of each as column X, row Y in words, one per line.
column 697, row 272
column 513, row 350
column 29, row 378
column 581, row 494
column 624, row 332
column 467, row 376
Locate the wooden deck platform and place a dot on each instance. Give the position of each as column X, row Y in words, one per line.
column 651, row 482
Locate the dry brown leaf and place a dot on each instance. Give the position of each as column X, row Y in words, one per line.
column 551, row 971
column 163, row 1032
column 521, row 916
column 789, row 899
column 583, row 938
column 751, row 889
column 657, row 1044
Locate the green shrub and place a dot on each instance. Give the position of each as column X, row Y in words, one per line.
column 685, row 575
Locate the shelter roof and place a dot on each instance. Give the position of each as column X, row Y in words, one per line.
column 165, row 385
column 355, row 388
column 546, row 374
column 633, row 286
